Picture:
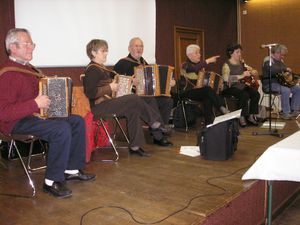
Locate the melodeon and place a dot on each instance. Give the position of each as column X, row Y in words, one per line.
column 59, row 91
column 124, row 85
column 287, row 79
column 153, row 80
column 211, row 79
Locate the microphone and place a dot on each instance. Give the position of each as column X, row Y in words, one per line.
column 268, row 45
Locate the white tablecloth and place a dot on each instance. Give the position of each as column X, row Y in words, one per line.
column 280, row 161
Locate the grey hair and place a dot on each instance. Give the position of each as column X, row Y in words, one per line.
column 132, row 40
column 191, row 49
column 12, row 37
column 279, row 49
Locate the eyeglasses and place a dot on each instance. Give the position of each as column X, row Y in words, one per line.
column 26, row 44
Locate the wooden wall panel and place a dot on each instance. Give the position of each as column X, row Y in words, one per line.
column 7, row 21
column 217, row 18
column 270, row 21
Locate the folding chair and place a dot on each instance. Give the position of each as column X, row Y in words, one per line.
column 99, row 119
column 275, row 98
column 12, row 138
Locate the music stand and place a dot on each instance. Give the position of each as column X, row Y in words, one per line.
column 270, row 131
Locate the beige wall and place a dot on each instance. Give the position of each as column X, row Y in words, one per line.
column 270, row 21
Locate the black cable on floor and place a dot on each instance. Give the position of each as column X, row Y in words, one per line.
column 208, row 181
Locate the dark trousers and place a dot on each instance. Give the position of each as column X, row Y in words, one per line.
column 161, row 104
column 134, row 109
column 66, row 139
column 243, row 96
column 208, row 97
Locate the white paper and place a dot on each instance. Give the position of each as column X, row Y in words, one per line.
column 228, row 116
column 190, row 150
column 275, row 124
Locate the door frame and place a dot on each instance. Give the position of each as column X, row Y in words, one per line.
column 183, row 36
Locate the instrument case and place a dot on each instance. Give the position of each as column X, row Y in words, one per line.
column 219, row 141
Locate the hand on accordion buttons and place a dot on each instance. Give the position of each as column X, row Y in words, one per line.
column 43, row 101
column 114, row 86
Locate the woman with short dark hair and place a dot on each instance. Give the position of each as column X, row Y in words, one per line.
column 240, row 81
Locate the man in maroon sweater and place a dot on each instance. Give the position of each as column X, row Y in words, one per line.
column 20, row 100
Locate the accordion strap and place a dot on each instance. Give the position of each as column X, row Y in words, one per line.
column 187, row 80
column 134, row 61
column 16, row 69
column 102, row 68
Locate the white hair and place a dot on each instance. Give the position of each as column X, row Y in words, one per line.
column 132, row 40
column 191, row 49
column 279, row 49
column 12, row 37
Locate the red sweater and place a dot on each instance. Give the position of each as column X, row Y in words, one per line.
column 18, row 91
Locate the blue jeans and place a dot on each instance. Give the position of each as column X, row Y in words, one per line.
column 286, row 92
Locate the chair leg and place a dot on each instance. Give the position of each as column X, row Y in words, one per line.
column 184, row 116
column 30, row 155
column 121, row 128
column 261, row 100
column 110, row 140
column 24, row 167
column 10, row 150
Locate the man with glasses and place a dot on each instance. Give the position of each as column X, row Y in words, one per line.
column 20, row 100
column 289, row 108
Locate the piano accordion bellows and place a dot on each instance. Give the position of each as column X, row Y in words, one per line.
column 211, row 79
column 154, row 80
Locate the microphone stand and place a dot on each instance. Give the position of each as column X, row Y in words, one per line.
column 270, row 131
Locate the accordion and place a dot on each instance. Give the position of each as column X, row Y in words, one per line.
column 287, row 79
column 59, row 91
column 153, row 80
column 124, row 85
column 211, row 79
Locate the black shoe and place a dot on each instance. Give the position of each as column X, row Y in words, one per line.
column 162, row 142
column 58, row 189
column 139, row 152
column 80, row 176
column 243, row 122
column 167, row 131
column 252, row 120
